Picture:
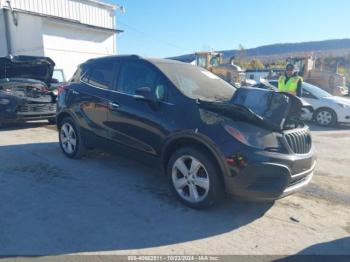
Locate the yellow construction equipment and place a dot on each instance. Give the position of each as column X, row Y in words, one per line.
column 333, row 83
column 213, row 62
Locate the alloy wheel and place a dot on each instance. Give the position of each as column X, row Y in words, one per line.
column 190, row 179
column 68, row 138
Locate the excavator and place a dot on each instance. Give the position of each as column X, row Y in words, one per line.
column 213, row 61
column 333, row 83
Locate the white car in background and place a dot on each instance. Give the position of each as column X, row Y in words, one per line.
column 328, row 110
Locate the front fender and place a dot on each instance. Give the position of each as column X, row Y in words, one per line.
column 196, row 138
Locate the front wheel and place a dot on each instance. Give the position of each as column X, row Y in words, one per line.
column 194, row 178
column 325, row 117
column 70, row 139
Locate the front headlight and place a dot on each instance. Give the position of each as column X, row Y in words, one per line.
column 4, row 101
column 254, row 136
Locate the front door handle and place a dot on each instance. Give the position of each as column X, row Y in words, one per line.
column 113, row 105
column 75, row 92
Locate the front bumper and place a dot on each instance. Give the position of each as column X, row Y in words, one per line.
column 269, row 182
column 22, row 110
column 343, row 115
column 270, row 176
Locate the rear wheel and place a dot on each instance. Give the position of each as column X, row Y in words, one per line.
column 325, row 117
column 194, row 178
column 70, row 139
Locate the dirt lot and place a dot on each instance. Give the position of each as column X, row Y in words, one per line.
column 106, row 204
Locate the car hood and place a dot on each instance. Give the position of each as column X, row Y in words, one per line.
column 269, row 109
column 27, row 67
column 338, row 100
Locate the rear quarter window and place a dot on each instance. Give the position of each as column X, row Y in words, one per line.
column 76, row 77
column 101, row 74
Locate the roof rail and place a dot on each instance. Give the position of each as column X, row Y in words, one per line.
column 135, row 56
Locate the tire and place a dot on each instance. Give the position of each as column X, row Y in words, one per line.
column 52, row 121
column 70, row 139
column 325, row 117
column 200, row 189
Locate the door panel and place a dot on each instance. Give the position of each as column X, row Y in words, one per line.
column 92, row 97
column 93, row 107
column 136, row 123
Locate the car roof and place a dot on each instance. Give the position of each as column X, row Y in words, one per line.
column 134, row 57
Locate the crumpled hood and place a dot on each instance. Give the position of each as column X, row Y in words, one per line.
column 269, row 109
column 27, row 67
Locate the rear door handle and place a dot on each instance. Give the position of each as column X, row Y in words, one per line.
column 113, row 105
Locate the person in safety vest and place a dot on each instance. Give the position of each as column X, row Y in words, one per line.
column 290, row 82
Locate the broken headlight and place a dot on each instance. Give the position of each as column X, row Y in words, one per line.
column 254, row 136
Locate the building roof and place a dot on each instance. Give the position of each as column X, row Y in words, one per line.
column 89, row 12
column 112, row 6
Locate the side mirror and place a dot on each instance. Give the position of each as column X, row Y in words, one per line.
column 54, row 81
column 146, row 94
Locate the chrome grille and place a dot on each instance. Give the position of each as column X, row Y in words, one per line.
column 37, row 108
column 299, row 140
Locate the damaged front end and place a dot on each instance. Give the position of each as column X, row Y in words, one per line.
column 25, row 92
column 265, row 120
column 274, row 156
column 26, row 99
column 268, row 109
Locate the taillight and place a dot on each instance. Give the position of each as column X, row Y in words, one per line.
column 60, row 89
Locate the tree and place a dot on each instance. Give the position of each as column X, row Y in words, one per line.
column 279, row 64
column 341, row 70
column 256, row 64
column 241, row 57
column 242, row 53
column 244, row 64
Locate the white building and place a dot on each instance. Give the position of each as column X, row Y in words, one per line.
column 256, row 75
column 67, row 31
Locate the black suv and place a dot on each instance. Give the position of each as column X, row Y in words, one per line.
column 209, row 137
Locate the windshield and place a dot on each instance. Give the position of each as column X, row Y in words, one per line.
column 196, row 82
column 316, row 91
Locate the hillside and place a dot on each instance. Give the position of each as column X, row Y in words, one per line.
column 336, row 47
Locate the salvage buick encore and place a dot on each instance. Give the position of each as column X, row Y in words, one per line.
column 209, row 137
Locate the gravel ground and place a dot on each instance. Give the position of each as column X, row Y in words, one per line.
column 104, row 204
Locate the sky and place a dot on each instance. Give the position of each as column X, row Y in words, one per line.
column 164, row 28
